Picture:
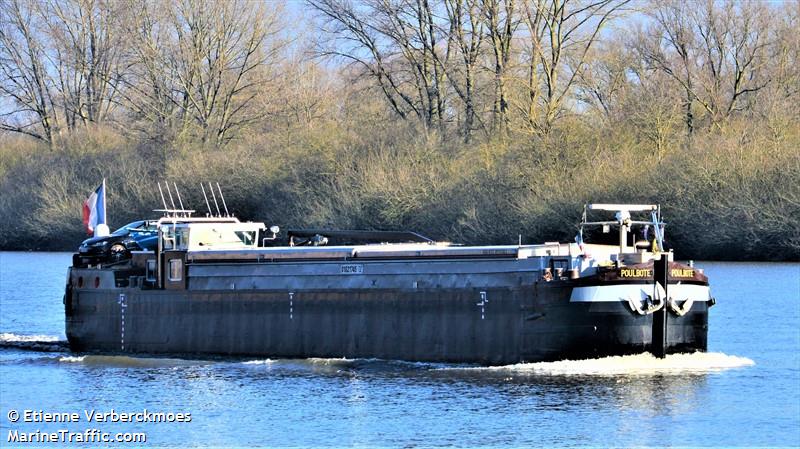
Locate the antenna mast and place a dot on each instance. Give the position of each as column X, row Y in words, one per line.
column 169, row 192
column 208, row 206
column 214, row 196
column 180, row 201
column 223, row 201
column 163, row 201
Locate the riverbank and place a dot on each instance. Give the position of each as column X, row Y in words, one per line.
column 449, row 135
column 724, row 197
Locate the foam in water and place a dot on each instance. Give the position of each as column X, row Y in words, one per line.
column 72, row 359
column 259, row 362
column 329, row 361
column 8, row 337
column 640, row 364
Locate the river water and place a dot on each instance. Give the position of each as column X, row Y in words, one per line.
column 744, row 392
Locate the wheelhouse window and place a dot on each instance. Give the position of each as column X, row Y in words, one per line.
column 248, row 238
column 222, row 236
column 167, row 238
column 174, row 237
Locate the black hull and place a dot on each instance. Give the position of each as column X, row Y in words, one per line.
column 525, row 324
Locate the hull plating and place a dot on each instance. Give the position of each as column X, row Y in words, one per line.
column 499, row 325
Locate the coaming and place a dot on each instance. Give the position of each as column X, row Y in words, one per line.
column 211, row 288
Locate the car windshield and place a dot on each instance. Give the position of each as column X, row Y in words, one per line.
column 125, row 229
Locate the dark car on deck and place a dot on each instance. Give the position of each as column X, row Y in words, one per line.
column 140, row 235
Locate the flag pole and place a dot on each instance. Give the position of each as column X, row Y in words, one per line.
column 105, row 204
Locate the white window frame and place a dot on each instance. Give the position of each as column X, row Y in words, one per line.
column 175, row 267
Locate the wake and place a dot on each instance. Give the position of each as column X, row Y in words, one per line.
column 639, row 364
column 39, row 343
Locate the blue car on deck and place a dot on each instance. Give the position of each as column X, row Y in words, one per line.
column 140, row 235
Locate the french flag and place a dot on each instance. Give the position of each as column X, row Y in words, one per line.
column 94, row 209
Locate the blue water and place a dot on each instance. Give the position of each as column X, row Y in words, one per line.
column 744, row 392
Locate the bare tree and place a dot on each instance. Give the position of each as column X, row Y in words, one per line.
column 533, row 16
column 562, row 36
column 60, row 64
column 715, row 53
column 200, row 64
column 605, row 81
column 86, row 54
column 669, row 46
column 734, row 42
column 150, row 93
column 466, row 33
column 397, row 44
column 221, row 47
column 779, row 104
column 306, row 94
column 24, row 79
column 785, row 53
column 411, row 26
column 501, row 24
column 362, row 44
column 647, row 103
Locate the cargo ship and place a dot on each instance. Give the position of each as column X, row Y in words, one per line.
column 218, row 285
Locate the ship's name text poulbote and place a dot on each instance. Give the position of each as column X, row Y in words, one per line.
column 648, row 273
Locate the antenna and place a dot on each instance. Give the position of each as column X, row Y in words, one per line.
column 169, row 192
column 223, row 201
column 163, row 201
column 180, row 201
column 173, row 212
column 214, row 196
column 206, row 197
